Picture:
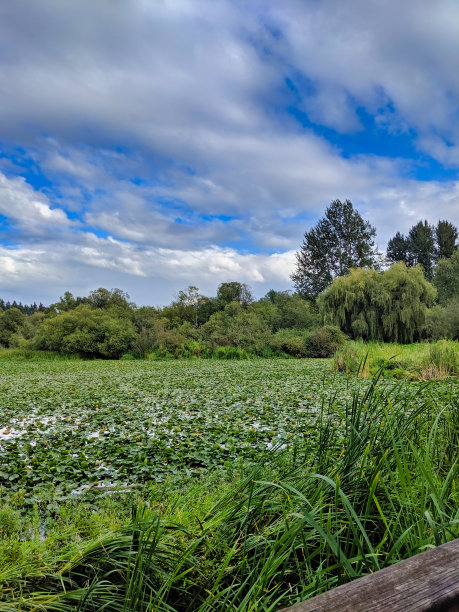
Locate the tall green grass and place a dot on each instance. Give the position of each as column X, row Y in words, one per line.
column 22, row 354
column 414, row 361
column 376, row 483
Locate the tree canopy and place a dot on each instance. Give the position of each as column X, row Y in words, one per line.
column 338, row 242
column 425, row 245
column 389, row 306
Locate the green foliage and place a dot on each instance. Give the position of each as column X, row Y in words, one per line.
column 398, row 249
column 86, row 332
column 389, row 306
column 446, row 235
column 237, row 326
column 325, row 341
column 446, row 278
column 443, row 321
column 340, row 241
column 288, row 342
column 415, row 361
column 26, row 354
column 368, row 478
column 285, row 311
column 11, row 321
column 230, row 352
column 445, row 357
column 234, row 292
column 422, row 247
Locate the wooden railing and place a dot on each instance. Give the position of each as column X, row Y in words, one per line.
column 428, row 581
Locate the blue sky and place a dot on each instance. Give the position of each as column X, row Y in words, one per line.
column 153, row 145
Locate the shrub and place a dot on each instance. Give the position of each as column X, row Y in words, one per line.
column 288, row 342
column 191, row 349
column 324, row 342
column 443, row 321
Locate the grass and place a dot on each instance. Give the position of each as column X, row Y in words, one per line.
column 414, row 361
column 22, row 354
column 377, row 483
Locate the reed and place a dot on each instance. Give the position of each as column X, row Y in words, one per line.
column 377, row 484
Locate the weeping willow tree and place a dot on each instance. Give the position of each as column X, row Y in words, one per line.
column 390, row 306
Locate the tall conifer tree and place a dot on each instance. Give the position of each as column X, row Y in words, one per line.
column 340, row 241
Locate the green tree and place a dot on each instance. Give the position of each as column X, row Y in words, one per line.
column 234, row 292
column 446, row 278
column 86, row 331
column 398, row 249
column 238, row 326
column 390, row 306
column 422, row 247
column 11, row 321
column 105, row 298
column 446, row 236
column 340, row 241
column 190, row 300
column 290, row 311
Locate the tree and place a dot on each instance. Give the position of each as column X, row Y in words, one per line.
column 190, row 300
column 89, row 332
column 10, row 322
column 390, row 306
column 422, row 247
column 234, row 292
column 446, row 236
column 446, row 278
column 340, row 241
column 398, row 249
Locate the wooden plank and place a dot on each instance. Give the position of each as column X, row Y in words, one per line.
column 426, row 582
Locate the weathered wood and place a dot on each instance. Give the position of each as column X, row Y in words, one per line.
column 426, row 582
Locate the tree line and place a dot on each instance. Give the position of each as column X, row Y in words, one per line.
column 339, row 268
column 344, row 288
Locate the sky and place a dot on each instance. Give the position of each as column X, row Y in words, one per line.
column 151, row 145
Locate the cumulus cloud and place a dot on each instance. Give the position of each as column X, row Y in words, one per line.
column 27, row 208
column 150, row 276
column 194, row 142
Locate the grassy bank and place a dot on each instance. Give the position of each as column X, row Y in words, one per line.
column 422, row 361
column 370, row 481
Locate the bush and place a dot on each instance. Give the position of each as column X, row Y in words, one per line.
column 443, row 321
column 324, row 342
column 288, row 342
column 191, row 349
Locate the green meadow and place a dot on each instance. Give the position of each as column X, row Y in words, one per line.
column 218, row 485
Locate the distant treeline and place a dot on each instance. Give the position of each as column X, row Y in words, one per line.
column 397, row 305
column 26, row 309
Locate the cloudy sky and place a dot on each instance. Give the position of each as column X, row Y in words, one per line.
column 149, row 145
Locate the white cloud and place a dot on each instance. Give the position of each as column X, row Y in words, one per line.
column 164, row 125
column 28, row 209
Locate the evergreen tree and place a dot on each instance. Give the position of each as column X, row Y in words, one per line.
column 398, row 249
column 422, row 247
column 446, row 236
column 340, row 241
